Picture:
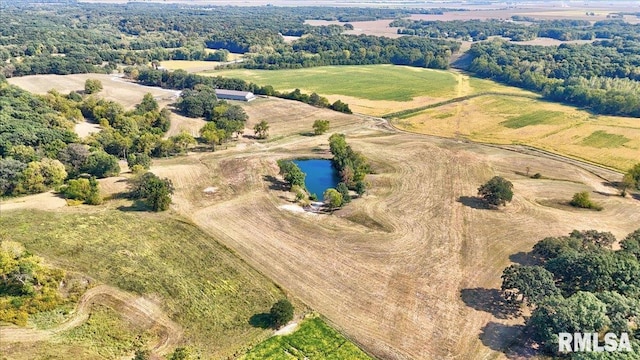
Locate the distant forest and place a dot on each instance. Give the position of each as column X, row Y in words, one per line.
column 602, row 76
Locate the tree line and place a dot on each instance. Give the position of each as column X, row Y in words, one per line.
column 181, row 80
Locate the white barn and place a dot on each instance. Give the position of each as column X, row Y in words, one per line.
column 234, row 95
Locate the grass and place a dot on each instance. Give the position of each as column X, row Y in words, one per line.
column 601, row 139
column 372, row 82
column 314, row 339
column 210, row 292
column 534, row 118
column 106, row 334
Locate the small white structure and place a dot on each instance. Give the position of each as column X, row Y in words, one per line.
column 234, row 95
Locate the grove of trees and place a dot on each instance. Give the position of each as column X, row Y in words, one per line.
column 579, row 284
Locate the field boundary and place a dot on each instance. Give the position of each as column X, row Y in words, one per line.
column 408, row 112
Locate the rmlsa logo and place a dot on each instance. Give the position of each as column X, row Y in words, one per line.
column 579, row 342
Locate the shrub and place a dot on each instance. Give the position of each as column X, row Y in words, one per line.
column 281, row 313
column 536, row 176
column 583, row 200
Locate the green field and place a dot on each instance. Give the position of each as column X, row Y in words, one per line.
column 210, row 292
column 601, row 139
column 312, row 340
column 372, row 82
column 533, row 118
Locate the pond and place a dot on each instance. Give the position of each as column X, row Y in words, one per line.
column 320, row 175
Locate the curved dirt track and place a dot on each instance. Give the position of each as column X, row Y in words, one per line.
column 134, row 309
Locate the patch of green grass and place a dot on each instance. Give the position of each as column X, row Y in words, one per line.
column 314, row 339
column 205, row 288
column 373, row 82
column 601, row 139
column 107, row 334
column 533, row 118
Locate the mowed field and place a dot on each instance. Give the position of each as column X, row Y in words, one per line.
column 606, row 140
column 409, row 271
column 368, row 89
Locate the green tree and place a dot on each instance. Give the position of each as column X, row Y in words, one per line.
column 261, row 129
column 497, row 191
column 92, row 86
column 292, row 173
column 155, row 191
column 361, row 187
column 101, row 165
column 344, row 191
column 528, row 284
column 583, row 200
column 180, row 353
column 140, row 159
column 632, row 177
column 85, row 190
column 182, row 141
column 142, row 354
column 211, row 134
column 631, row 244
column 320, row 127
column 333, row 199
column 582, row 312
column 148, row 104
column 281, row 313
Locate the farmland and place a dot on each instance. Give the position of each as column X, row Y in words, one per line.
column 414, row 265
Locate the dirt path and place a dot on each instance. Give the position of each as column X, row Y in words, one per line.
column 134, row 309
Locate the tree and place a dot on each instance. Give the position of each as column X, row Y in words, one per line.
column 211, row 134
column 582, row 312
column 74, row 157
column 140, row 159
column 155, row 191
column 292, row 173
column 180, row 353
column 92, row 86
column 101, row 165
column 333, row 199
column 583, row 200
column 529, row 284
column 320, row 127
column 361, row 187
column 141, row 354
column 182, row 141
column 281, row 313
column 344, row 191
column 631, row 244
column 261, row 129
column 497, row 191
column 148, row 104
column 10, row 174
column 85, row 190
column 632, row 177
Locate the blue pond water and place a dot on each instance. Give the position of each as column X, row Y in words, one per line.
column 320, row 175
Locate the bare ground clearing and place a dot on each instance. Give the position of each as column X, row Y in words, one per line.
column 419, row 283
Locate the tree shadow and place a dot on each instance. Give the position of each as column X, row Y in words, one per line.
column 524, row 258
column 501, row 337
column 275, row 183
column 136, row 205
column 262, row 320
column 606, row 194
column 250, row 137
column 474, row 202
column 491, row 301
column 308, row 134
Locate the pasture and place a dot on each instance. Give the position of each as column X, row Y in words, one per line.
column 203, row 287
column 607, row 140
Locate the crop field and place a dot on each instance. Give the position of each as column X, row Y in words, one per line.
column 312, row 340
column 606, row 140
column 209, row 292
column 374, row 89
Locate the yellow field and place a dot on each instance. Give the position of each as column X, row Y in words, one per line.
column 549, row 126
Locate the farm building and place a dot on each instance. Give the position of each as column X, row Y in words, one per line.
column 234, row 95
